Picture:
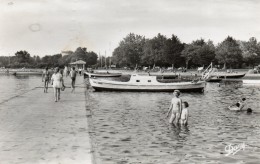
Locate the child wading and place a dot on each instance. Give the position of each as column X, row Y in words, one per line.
column 185, row 114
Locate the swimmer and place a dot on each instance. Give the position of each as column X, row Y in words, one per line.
column 249, row 110
column 242, row 103
column 235, row 107
column 238, row 106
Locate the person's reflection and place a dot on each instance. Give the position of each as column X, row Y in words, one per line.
column 180, row 134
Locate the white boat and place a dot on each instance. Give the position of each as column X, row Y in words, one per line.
column 102, row 74
column 145, row 83
column 253, row 82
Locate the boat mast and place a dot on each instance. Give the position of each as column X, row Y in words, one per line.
column 105, row 60
column 100, row 60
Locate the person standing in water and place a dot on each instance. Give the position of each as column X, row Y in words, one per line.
column 185, row 114
column 57, row 82
column 46, row 79
column 175, row 108
column 73, row 75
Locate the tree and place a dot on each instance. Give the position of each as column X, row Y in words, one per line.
column 250, row 51
column 91, row 58
column 155, row 51
column 22, row 57
column 229, row 52
column 129, row 51
column 173, row 49
column 189, row 52
column 205, row 53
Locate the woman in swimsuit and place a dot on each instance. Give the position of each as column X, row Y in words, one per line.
column 175, row 108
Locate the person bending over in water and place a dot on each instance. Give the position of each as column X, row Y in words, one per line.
column 185, row 114
column 175, row 108
column 238, row 106
column 242, row 103
column 45, row 79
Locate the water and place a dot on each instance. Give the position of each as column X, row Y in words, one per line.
column 129, row 127
column 11, row 86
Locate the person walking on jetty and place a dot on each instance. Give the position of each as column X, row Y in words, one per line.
column 175, row 108
column 57, row 82
column 65, row 71
column 46, row 79
column 73, row 75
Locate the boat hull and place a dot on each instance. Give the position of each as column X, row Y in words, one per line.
column 148, row 90
column 102, row 74
column 231, row 75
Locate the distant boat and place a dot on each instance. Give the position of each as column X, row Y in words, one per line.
column 102, row 74
column 229, row 75
column 213, row 79
column 146, row 84
column 253, row 82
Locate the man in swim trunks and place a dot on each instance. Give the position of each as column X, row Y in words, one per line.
column 175, row 108
column 46, row 79
column 73, row 75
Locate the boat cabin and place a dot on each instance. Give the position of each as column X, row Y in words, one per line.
column 143, row 79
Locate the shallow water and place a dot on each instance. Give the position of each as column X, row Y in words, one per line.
column 11, row 85
column 129, row 127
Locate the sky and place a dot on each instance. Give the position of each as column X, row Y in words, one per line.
column 47, row 27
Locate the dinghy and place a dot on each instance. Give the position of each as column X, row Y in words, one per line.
column 102, row 74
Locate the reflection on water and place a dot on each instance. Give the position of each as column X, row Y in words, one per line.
column 11, row 85
column 131, row 127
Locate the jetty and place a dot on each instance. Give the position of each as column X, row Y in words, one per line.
column 36, row 129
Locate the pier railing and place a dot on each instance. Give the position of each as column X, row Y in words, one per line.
column 207, row 73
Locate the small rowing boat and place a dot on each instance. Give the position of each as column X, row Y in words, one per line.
column 228, row 75
column 102, row 74
column 213, row 79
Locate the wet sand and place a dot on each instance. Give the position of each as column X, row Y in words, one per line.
column 35, row 129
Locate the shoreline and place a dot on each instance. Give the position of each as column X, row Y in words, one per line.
column 189, row 73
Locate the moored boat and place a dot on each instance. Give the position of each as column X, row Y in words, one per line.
column 146, row 84
column 102, row 74
column 213, row 79
column 229, row 75
column 251, row 81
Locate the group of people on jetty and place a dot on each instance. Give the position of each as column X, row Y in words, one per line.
column 56, row 80
column 178, row 110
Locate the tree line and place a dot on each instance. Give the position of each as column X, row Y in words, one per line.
column 135, row 50
column 24, row 59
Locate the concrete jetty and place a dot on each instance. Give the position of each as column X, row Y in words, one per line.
column 34, row 129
